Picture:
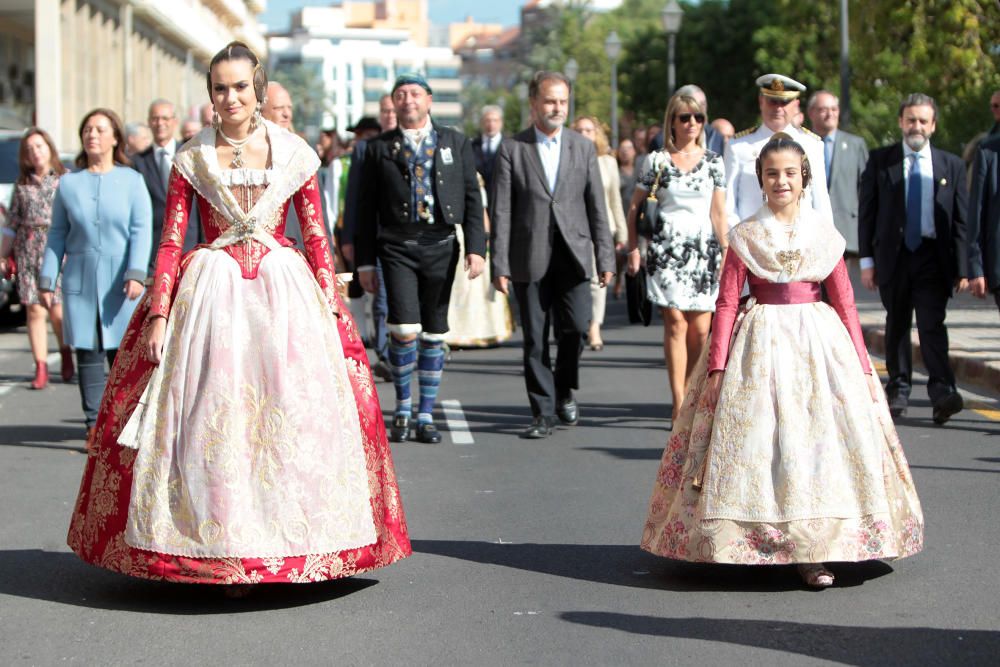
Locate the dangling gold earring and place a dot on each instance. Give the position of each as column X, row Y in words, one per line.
column 216, row 120
column 257, row 119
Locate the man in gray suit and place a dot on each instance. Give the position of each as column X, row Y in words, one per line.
column 549, row 223
column 984, row 221
column 845, row 156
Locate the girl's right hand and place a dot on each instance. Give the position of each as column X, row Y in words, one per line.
column 154, row 344
column 713, row 389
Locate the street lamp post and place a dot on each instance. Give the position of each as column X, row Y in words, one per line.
column 672, row 15
column 845, row 68
column 521, row 90
column 613, row 49
column 571, row 70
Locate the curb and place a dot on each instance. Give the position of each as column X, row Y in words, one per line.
column 968, row 369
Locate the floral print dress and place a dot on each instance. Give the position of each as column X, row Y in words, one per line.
column 683, row 259
column 30, row 219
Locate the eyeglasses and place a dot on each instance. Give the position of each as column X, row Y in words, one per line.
column 686, row 117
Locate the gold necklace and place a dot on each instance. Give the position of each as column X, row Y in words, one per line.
column 790, row 259
column 237, row 145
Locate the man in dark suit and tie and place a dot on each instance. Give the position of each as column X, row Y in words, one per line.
column 154, row 164
column 913, row 248
column 486, row 145
column 845, row 156
column 549, row 223
column 984, row 220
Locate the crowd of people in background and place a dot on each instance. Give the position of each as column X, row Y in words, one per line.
column 431, row 233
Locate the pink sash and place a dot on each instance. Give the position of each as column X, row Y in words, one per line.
column 783, row 294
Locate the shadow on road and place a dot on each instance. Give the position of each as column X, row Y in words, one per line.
column 628, row 453
column 513, row 420
column 849, row 645
column 43, row 436
column 61, row 577
column 628, row 565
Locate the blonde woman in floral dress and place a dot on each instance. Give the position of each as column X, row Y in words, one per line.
column 784, row 451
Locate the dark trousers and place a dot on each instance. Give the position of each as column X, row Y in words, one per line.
column 93, row 376
column 380, row 310
column 560, row 299
column 919, row 285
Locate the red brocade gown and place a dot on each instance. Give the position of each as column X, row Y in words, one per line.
column 256, row 451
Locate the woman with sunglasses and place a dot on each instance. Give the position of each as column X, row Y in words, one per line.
column 689, row 235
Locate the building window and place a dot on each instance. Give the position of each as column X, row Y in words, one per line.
column 446, row 96
column 376, row 72
column 373, row 95
column 442, row 72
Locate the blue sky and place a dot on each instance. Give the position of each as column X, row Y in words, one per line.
column 504, row 12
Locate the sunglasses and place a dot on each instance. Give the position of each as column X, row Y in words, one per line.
column 686, row 117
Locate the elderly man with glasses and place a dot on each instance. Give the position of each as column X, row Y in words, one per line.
column 779, row 102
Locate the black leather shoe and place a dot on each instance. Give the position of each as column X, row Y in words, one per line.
column 541, row 427
column 428, row 434
column 382, row 371
column 897, row 406
column 400, row 431
column 947, row 406
column 568, row 411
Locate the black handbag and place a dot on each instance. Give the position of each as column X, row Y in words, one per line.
column 645, row 217
column 639, row 307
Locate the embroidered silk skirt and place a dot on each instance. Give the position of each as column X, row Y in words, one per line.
column 796, row 464
column 259, row 449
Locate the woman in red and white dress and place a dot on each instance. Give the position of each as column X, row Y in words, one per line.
column 240, row 438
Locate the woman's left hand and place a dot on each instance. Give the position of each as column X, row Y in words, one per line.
column 133, row 289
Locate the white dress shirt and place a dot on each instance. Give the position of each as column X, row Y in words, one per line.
column 926, row 186
column 492, row 144
column 165, row 160
column 548, row 152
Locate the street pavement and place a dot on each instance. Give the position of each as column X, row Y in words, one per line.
column 526, row 552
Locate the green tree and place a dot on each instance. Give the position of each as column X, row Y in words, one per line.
column 945, row 49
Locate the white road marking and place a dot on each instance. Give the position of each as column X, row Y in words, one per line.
column 457, row 425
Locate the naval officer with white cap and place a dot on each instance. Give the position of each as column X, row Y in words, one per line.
column 778, row 100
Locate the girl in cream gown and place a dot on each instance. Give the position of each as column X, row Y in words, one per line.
column 784, row 450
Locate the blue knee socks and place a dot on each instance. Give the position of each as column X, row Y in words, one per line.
column 429, row 370
column 402, row 359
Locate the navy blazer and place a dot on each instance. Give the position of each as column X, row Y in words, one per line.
column 984, row 214
column 484, row 162
column 386, row 193
column 882, row 211
column 146, row 164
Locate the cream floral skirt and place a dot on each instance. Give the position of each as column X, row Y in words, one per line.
column 248, row 437
column 797, row 464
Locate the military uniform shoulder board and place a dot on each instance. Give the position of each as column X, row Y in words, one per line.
column 749, row 130
column 809, row 133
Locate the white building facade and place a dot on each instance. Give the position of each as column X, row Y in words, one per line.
column 75, row 55
column 356, row 66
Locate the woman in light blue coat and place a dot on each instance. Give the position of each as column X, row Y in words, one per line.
column 102, row 226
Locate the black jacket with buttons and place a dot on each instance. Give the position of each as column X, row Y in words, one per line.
column 386, row 194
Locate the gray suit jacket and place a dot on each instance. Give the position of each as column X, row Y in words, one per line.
column 984, row 214
column 522, row 209
column 850, row 155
